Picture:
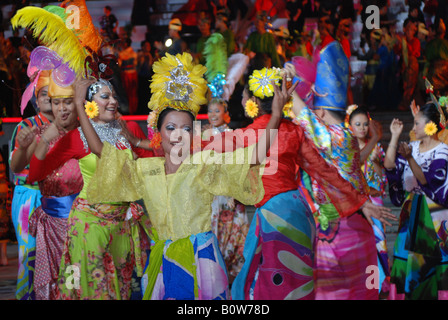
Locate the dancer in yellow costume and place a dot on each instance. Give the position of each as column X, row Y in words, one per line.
column 185, row 262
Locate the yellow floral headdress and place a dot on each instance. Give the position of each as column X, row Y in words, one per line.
column 177, row 83
column 260, row 82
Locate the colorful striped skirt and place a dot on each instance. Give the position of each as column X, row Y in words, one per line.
column 381, row 248
column 420, row 266
column 279, row 252
column 190, row 268
column 25, row 200
column 346, row 259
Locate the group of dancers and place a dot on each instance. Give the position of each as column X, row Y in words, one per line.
column 103, row 210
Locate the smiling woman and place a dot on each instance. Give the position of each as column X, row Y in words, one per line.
column 89, row 222
column 185, row 260
column 417, row 175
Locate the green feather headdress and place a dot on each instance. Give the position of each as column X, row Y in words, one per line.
column 215, row 52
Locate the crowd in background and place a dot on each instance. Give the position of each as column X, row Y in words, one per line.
column 389, row 81
column 403, row 48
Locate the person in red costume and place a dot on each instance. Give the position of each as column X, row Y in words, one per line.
column 408, row 47
column 279, row 248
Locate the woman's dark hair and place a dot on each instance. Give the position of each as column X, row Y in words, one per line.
column 165, row 112
column 359, row 110
column 431, row 112
column 265, row 104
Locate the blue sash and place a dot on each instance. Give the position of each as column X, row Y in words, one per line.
column 58, row 207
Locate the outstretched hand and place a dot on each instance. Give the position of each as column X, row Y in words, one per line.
column 378, row 212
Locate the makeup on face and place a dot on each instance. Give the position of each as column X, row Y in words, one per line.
column 107, row 103
column 420, row 122
column 216, row 114
column 360, row 125
column 177, row 132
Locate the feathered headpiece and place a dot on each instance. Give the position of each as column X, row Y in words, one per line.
column 67, row 30
column 215, row 52
column 177, row 83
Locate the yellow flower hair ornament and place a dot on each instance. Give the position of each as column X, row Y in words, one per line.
column 260, row 82
column 430, row 128
column 251, row 108
column 91, row 109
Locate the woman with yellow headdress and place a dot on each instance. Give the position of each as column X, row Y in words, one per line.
column 178, row 188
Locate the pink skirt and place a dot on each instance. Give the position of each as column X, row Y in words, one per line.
column 346, row 261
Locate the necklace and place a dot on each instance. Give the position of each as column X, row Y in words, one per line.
column 221, row 128
column 109, row 132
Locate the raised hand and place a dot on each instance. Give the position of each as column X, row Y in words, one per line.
column 281, row 96
column 26, row 137
column 80, row 87
column 396, row 127
column 375, row 130
column 289, row 70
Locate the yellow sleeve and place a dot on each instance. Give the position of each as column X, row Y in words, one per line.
column 230, row 174
column 116, row 178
